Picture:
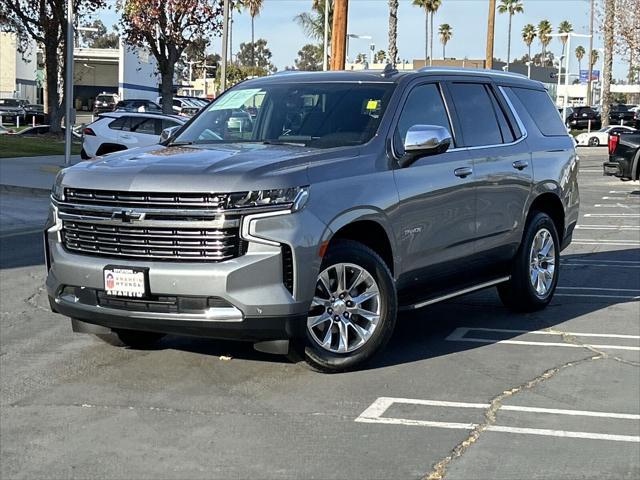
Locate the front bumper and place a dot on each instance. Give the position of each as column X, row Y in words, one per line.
column 257, row 304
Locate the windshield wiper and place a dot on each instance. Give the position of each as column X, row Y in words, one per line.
column 179, row 144
column 280, row 142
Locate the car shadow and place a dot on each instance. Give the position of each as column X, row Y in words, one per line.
column 422, row 334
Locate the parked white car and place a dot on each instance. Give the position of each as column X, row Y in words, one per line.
column 601, row 137
column 116, row 131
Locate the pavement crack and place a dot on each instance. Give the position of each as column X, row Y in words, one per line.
column 568, row 338
column 439, row 470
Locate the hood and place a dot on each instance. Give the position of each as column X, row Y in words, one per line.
column 196, row 168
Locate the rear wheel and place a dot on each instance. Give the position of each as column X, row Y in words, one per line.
column 594, row 142
column 535, row 269
column 353, row 313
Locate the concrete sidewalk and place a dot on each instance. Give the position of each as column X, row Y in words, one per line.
column 31, row 173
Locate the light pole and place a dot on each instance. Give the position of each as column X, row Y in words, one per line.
column 325, row 55
column 559, row 76
column 566, row 68
column 353, row 35
column 68, row 86
column 225, row 45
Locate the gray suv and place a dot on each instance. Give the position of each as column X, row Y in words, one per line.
column 350, row 196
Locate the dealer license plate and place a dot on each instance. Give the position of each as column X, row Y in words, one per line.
column 125, row 282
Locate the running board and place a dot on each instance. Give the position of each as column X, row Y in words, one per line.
column 480, row 286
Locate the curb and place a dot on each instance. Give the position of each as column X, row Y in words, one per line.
column 19, row 189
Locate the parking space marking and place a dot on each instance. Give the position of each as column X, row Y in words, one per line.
column 607, row 227
column 616, row 198
column 612, row 205
column 592, row 241
column 612, row 215
column 375, row 414
column 600, row 263
column 459, row 335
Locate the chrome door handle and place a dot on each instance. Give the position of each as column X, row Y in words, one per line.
column 520, row 164
column 463, row 172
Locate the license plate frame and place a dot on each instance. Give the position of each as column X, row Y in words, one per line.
column 126, row 281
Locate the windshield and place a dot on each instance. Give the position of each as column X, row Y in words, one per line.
column 619, row 108
column 9, row 102
column 321, row 115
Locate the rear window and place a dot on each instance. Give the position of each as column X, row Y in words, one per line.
column 541, row 110
column 105, row 98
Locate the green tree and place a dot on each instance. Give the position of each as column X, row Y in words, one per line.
column 361, row 58
column 166, row 28
column 430, row 8
column 312, row 23
column 393, row 32
column 101, row 38
column 254, row 7
column 256, row 55
column 444, row 32
column 310, row 58
column 45, row 22
column 580, row 53
column 380, row 56
column 422, row 4
column 528, row 35
column 595, row 56
column 511, row 7
column 544, row 30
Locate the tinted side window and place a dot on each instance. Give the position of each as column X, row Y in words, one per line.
column 476, row 114
column 505, row 127
column 144, row 125
column 541, row 109
column 119, row 123
column 168, row 124
column 424, row 106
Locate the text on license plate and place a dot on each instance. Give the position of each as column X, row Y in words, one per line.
column 124, row 282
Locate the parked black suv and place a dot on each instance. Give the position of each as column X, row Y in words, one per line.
column 349, row 197
column 621, row 114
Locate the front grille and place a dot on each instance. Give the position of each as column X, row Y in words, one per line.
column 111, row 198
column 162, row 243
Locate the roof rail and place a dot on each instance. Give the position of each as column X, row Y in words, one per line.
column 481, row 71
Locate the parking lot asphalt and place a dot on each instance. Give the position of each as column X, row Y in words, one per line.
column 465, row 390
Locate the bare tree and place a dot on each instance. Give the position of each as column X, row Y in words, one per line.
column 608, row 28
column 393, row 32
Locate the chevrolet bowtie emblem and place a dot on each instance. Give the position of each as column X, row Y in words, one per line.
column 128, row 216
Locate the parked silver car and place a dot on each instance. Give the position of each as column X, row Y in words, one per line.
column 352, row 196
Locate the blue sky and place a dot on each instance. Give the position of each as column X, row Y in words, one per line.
column 369, row 17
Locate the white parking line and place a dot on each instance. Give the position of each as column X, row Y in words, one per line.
column 459, row 335
column 612, row 215
column 374, row 414
column 607, row 227
column 615, row 198
column 572, row 262
column 600, row 289
column 612, row 205
column 588, row 241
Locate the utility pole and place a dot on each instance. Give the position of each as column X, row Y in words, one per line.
column 339, row 34
column 325, row 55
column 225, row 45
column 490, row 33
column 589, row 94
column 68, row 86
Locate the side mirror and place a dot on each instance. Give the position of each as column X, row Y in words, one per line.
column 422, row 140
column 167, row 133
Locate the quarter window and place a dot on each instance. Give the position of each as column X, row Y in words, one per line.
column 540, row 108
column 119, row 124
column 424, row 106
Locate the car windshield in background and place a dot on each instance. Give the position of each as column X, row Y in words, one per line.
column 320, row 115
column 9, row 102
column 619, row 108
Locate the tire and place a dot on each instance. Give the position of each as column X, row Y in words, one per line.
column 519, row 293
column 138, row 339
column 594, row 142
column 365, row 274
column 83, row 155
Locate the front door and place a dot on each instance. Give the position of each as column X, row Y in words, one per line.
column 434, row 223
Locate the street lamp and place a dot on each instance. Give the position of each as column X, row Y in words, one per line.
column 568, row 35
column 353, row 35
column 68, row 85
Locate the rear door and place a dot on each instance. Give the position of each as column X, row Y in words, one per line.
column 434, row 222
column 142, row 132
column 502, row 169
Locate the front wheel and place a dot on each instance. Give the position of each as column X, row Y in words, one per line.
column 535, row 269
column 353, row 312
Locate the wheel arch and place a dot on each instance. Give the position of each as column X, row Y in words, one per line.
column 550, row 203
column 368, row 228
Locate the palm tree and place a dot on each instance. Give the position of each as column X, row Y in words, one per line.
column 423, row 4
column 564, row 27
column 528, row 35
column 393, row 32
column 312, row 23
column 432, row 6
column 544, row 30
column 595, row 56
column 580, row 52
column 445, row 32
column 511, row 7
column 254, row 7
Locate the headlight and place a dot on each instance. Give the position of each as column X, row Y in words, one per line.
column 57, row 191
column 295, row 197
